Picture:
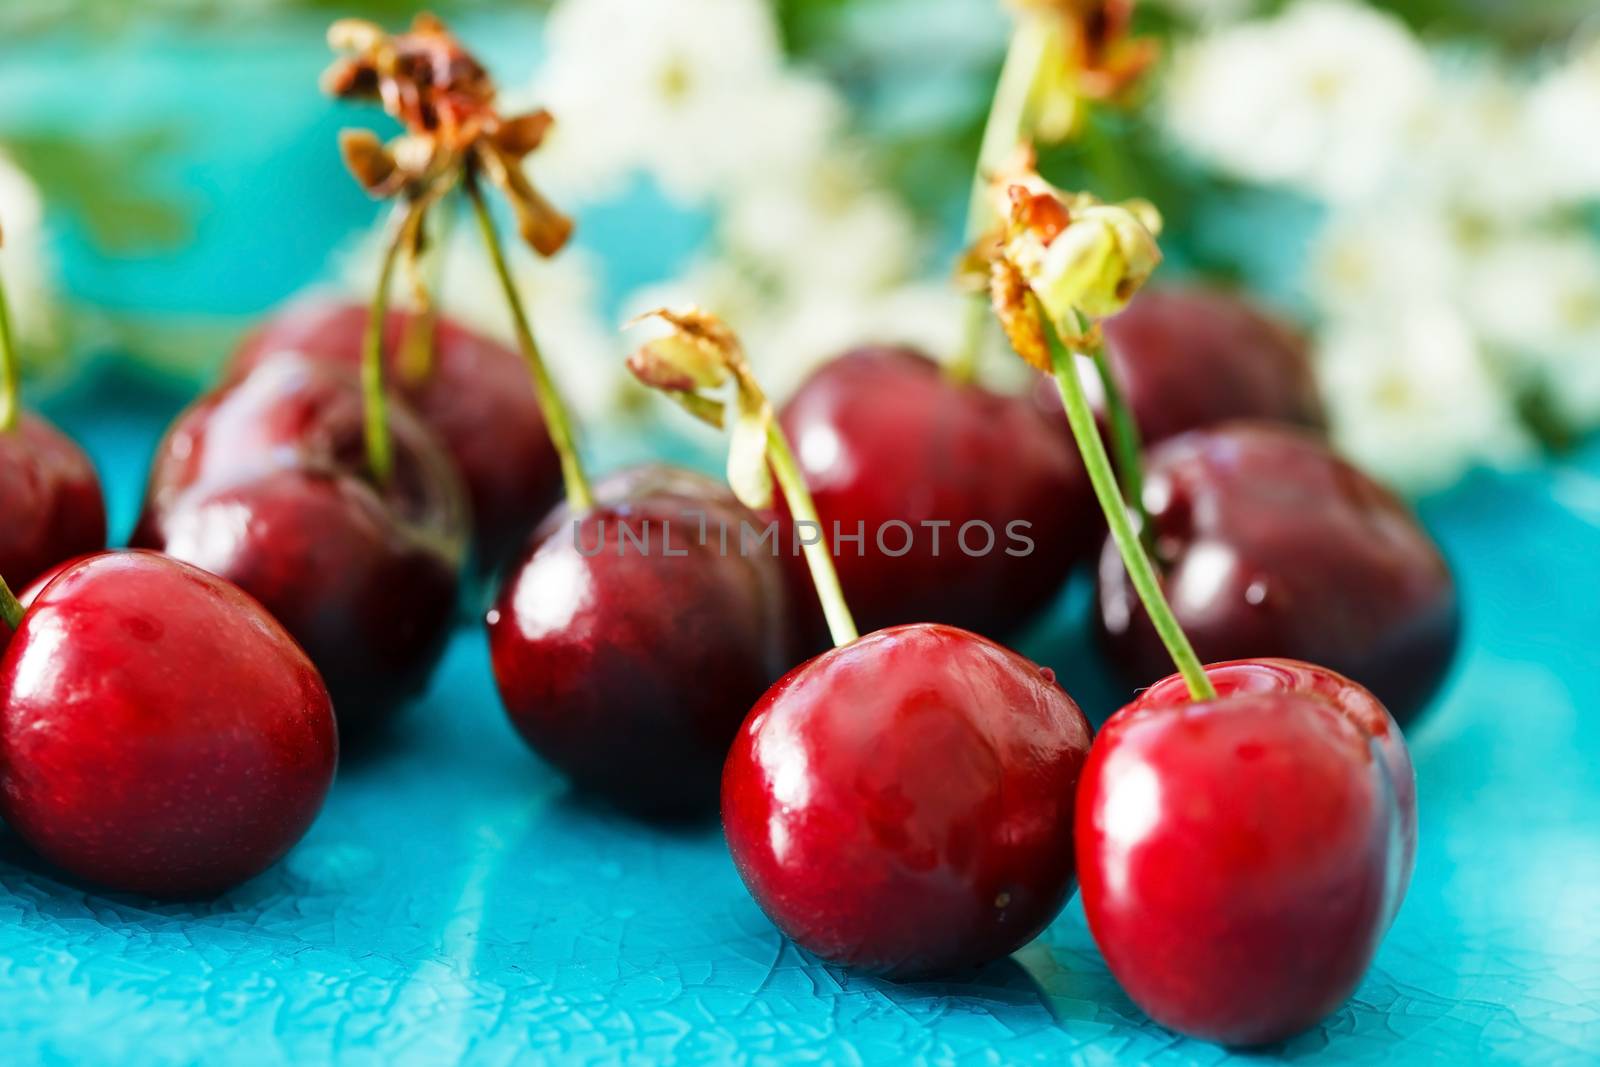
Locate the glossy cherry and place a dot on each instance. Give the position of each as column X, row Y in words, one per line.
column 1242, row 857
column 903, row 804
column 629, row 660
column 53, row 508
column 1186, row 358
column 888, row 442
column 476, row 396
column 264, row 483
column 1271, row 545
column 159, row 732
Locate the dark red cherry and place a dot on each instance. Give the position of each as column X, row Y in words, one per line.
column 904, row 804
column 1271, row 545
column 627, row 649
column 888, row 443
column 264, row 483
column 1241, row 858
column 478, row 398
column 159, row 732
column 51, row 507
column 1188, row 358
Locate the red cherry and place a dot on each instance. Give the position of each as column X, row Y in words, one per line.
column 159, row 732
column 263, row 483
column 478, row 398
column 1188, row 358
column 887, row 441
column 53, row 507
column 904, row 804
column 628, row 668
column 1274, row 546
column 1242, row 857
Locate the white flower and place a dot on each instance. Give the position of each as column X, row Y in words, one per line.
column 1474, row 149
column 693, row 92
column 1413, row 401
column 822, row 227
column 23, row 258
column 1563, row 110
column 1323, row 97
column 1537, row 299
column 1386, row 256
column 560, row 294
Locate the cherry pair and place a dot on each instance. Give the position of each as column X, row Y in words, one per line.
column 1244, row 832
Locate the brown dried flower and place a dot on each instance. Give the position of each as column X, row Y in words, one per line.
column 1067, row 257
column 445, row 99
column 700, row 353
column 1090, row 53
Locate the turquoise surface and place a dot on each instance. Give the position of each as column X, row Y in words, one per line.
column 453, row 901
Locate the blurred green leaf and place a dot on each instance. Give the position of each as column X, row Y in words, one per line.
column 99, row 183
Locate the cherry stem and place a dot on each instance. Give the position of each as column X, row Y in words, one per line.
column 375, row 398
column 11, row 609
column 1140, row 570
column 819, row 556
column 421, row 338
column 10, row 370
column 580, row 497
column 1125, row 440
column 1003, row 131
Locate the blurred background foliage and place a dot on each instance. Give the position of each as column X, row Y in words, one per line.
column 189, row 180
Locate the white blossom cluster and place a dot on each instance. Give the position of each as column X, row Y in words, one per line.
column 808, row 253
column 24, row 263
column 1453, row 275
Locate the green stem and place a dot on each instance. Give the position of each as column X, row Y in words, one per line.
column 1125, row 440
column 819, row 557
column 1140, row 570
column 417, row 346
column 10, row 370
column 375, row 398
column 1003, row 131
column 10, row 608
column 580, row 497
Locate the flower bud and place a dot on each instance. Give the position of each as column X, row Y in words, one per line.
column 1076, row 254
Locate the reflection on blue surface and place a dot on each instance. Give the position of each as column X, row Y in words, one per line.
column 454, row 900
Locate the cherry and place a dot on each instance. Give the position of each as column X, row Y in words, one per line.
column 888, row 442
column 1186, row 358
column 53, row 508
column 1274, row 546
column 264, row 483
column 159, row 732
column 475, row 395
column 1242, row 856
column 903, row 804
column 629, row 664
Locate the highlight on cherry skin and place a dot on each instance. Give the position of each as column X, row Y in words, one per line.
column 630, row 665
column 160, row 733
column 903, row 804
column 1242, row 857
